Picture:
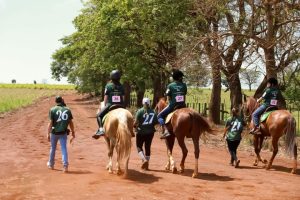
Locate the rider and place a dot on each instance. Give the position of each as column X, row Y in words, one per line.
column 113, row 95
column 270, row 97
column 176, row 92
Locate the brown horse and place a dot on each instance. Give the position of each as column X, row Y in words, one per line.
column 185, row 122
column 278, row 123
column 118, row 127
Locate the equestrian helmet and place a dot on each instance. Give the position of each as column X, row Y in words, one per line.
column 115, row 75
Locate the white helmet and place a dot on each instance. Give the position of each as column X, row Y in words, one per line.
column 146, row 100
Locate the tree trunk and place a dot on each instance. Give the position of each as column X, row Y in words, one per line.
column 127, row 89
column 140, row 91
column 215, row 98
column 235, row 90
column 159, row 82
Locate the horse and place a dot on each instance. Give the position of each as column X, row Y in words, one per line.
column 279, row 123
column 185, row 122
column 118, row 126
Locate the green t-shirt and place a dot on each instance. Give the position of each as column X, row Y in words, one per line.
column 176, row 91
column 235, row 125
column 146, row 121
column 115, row 93
column 60, row 117
column 270, row 96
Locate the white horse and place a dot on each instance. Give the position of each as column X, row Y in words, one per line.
column 118, row 128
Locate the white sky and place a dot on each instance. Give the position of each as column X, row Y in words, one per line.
column 29, row 34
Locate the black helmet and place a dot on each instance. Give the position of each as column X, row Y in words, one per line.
column 177, row 74
column 59, row 99
column 273, row 81
column 115, row 75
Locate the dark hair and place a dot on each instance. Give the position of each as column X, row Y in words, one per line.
column 59, row 99
column 273, row 81
column 177, row 75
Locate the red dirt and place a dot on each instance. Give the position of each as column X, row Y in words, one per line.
column 24, row 152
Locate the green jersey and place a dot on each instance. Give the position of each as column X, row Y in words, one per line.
column 235, row 128
column 115, row 93
column 146, row 121
column 60, row 117
column 270, row 96
column 176, row 91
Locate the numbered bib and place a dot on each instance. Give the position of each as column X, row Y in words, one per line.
column 116, row 99
column 179, row 98
column 273, row 102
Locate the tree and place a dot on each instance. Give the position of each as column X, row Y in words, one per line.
column 249, row 77
column 13, row 81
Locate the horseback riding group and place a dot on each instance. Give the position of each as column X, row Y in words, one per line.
column 117, row 124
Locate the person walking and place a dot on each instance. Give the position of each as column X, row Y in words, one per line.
column 232, row 133
column 60, row 118
column 145, row 121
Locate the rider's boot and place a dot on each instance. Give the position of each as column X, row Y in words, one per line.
column 255, row 130
column 165, row 132
column 100, row 132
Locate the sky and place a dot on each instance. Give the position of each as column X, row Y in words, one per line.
column 29, row 34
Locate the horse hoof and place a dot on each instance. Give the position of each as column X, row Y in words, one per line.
column 265, row 161
column 119, row 172
column 174, row 170
column 255, row 164
column 110, row 171
column 194, row 175
column 293, row 171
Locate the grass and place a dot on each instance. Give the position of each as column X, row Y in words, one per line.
column 13, row 98
column 38, row 86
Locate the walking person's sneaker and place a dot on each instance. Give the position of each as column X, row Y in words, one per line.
column 50, row 167
column 145, row 165
column 237, row 164
column 65, row 169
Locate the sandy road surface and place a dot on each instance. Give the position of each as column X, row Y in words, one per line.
column 24, row 152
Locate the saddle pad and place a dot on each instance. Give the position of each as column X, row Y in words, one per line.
column 265, row 116
column 169, row 117
column 104, row 118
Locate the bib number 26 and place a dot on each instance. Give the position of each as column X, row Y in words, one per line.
column 62, row 116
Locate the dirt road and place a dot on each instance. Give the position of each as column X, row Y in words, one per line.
column 24, row 152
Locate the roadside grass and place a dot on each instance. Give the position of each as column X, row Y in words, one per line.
column 14, row 98
column 39, row 86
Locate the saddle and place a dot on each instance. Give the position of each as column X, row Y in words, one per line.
column 170, row 115
column 113, row 107
column 267, row 112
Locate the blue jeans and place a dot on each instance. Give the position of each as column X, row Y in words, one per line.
column 257, row 113
column 163, row 114
column 63, row 144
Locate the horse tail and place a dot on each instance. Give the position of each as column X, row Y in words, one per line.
column 124, row 139
column 204, row 125
column 290, row 136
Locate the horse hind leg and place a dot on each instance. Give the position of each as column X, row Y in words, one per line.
column 275, row 150
column 196, row 152
column 184, row 153
column 171, row 163
column 109, row 166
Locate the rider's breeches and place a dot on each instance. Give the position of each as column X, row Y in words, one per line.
column 144, row 139
column 101, row 114
column 163, row 114
column 256, row 114
column 232, row 147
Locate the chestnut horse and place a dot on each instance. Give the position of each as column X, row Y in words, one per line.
column 279, row 123
column 118, row 128
column 185, row 122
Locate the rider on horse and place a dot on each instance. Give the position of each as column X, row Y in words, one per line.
column 113, row 95
column 176, row 92
column 270, row 97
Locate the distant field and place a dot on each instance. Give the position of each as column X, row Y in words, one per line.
column 13, row 96
column 39, row 86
